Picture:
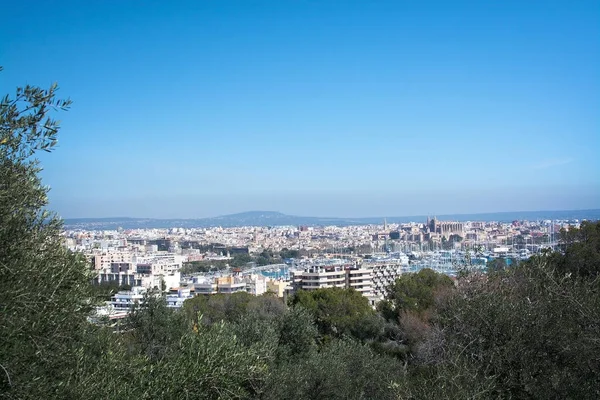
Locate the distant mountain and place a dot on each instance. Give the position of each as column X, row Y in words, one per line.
column 272, row 218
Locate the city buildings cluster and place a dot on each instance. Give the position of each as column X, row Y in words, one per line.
column 366, row 258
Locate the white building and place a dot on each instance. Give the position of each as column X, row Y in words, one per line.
column 319, row 277
column 371, row 279
column 361, row 280
column 384, row 272
column 205, row 286
column 253, row 284
column 126, row 299
column 149, row 271
column 169, row 280
column 231, row 287
column 175, row 300
column 130, row 278
column 338, row 275
column 256, row 284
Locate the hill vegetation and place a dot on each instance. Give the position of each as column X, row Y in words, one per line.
column 528, row 331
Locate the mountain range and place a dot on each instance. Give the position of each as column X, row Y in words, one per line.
column 272, row 218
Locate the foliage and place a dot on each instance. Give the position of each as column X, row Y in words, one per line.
column 267, row 257
column 241, row 260
column 285, row 253
column 525, row 332
column 497, row 264
column 212, row 364
column 414, row 292
column 202, row 266
column 209, row 363
column 340, row 312
column 231, row 307
column 298, row 334
column 43, row 286
column 580, row 254
column 104, row 291
column 342, row 369
column 154, row 327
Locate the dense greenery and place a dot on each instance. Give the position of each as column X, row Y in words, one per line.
column 105, row 291
column 528, row 331
column 413, row 293
column 340, row 312
column 581, row 252
column 43, row 287
column 497, row 264
column 223, row 307
column 525, row 332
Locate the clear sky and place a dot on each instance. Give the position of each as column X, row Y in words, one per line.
column 323, row 108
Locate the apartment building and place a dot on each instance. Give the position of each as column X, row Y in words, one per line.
column 319, row 277
column 148, row 271
column 206, row 287
column 129, row 278
column 371, row 279
column 329, row 276
column 253, row 284
column 123, row 302
column 105, row 259
column 229, row 285
column 361, row 280
column 384, row 272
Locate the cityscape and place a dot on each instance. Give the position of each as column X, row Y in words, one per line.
column 285, row 259
column 300, row 200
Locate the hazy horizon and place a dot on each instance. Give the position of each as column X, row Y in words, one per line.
column 338, row 217
column 332, row 204
column 192, row 109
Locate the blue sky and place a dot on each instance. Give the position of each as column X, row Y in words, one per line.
column 325, row 108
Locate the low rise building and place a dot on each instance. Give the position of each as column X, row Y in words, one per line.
column 255, row 284
column 153, row 271
column 104, row 260
column 277, row 286
column 125, row 300
column 177, row 296
column 230, row 284
column 205, row 286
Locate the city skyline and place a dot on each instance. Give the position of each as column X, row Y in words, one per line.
column 269, row 219
column 198, row 109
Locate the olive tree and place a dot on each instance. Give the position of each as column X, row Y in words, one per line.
column 43, row 286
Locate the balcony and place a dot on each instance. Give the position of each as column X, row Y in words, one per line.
column 360, row 284
column 355, row 277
